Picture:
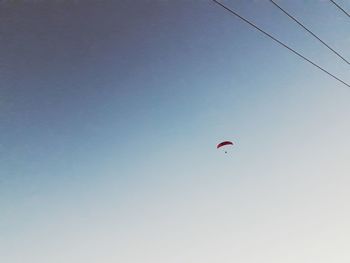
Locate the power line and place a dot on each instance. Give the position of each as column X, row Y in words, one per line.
column 342, row 9
column 313, row 34
column 281, row 43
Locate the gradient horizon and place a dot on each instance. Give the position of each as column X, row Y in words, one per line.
column 110, row 113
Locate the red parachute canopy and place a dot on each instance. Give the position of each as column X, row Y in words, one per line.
column 223, row 144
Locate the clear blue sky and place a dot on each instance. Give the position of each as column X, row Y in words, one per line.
column 110, row 112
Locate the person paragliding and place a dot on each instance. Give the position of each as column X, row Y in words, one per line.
column 224, row 145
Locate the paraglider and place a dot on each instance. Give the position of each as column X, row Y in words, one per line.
column 224, row 144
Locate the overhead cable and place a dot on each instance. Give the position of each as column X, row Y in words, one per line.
column 281, row 43
column 310, row 32
column 342, row 9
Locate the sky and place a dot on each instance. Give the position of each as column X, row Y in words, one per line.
column 110, row 112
